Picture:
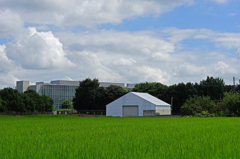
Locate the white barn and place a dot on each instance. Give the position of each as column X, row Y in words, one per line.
column 138, row 104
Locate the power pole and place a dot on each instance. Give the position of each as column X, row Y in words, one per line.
column 234, row 85
column 171, row 103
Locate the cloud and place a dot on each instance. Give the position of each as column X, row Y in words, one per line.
column 223, row 68
column 10, row 23
column 37, row 50
column 7, row 80
column 225, row 39
column 220, row 1
column 87, row 12
column 116, row 56
column 124, row 61
column 231, row 14
column 5, row 63
column 238, row 53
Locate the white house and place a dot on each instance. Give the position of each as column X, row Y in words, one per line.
column 138, row 104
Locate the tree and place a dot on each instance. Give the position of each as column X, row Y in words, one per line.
column 230, row 104
column 48, row 103
column 180, row 93
column 28, row 102
column 66, row 104
column 107, row 95
column 212, row 87
column 86, row 94
column 12, row 100
column 198, row 104
column 113, row 92
column 37, row 100
column 158, row 90
column 3, row 106
column 100, row 100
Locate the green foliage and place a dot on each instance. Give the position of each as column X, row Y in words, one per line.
column 28, row 102
column 66, row 104
column 58, row 136
column 198, row 104
column 89, row 96
column 113, row 92
column 221, row 114
column 212, row 87
column 37, row 100
column 204, row 114
column 180, row 93
column 156, row 89
column 230, row 104
column 3, row 106
column 48, row 103
column 86, row 94
column 12, row 100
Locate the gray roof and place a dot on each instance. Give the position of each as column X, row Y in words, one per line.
column 151, row 98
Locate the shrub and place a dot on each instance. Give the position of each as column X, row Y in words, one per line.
column 66, row 104
column 198, row 105
column 230, row 104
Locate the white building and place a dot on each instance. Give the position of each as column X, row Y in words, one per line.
column 138, row 104
column 61, row 90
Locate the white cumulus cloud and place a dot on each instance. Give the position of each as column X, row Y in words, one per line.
column 37, row 50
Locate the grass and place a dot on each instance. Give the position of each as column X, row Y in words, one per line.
column 107, row 137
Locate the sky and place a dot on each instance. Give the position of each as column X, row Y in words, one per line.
column 119, row 40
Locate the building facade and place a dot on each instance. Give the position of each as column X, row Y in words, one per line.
column 60, row 90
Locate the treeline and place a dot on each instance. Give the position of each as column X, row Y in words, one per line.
column 203, row 106
column 90, row 96
column 214, row 88
column 29, row 101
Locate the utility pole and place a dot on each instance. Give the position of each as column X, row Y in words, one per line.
column 171, row 103
column 234, row 85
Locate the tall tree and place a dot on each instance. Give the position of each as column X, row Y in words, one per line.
column 3, row 106
column 37, row 100
column 158, row 90
column 28, row 102
column 48, row 103
column 112, row 93
column 213, row 87
column 12, row 100
column 86, row 94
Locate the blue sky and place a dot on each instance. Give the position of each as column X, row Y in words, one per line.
column 119, row 41
column 223, row 17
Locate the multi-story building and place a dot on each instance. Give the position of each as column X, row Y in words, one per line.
column 61, row 90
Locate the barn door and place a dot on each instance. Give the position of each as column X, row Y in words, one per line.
column 130, row 110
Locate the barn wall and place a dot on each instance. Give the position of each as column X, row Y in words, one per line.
column 115, row 108
column 163, row 110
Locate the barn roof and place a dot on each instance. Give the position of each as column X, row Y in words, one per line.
column 151, row 98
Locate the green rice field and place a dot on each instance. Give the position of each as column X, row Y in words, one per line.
column 62, row 136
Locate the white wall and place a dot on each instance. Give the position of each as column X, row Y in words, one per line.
column 163, row 110
column 115, row 108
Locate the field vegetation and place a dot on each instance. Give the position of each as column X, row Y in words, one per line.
column 108, row 137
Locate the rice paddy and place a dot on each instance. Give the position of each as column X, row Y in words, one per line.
column 107, row 137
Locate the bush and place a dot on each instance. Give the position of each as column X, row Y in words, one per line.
column 198, row 105
column 230, row 104
column 66, row 104
column 204, row 114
